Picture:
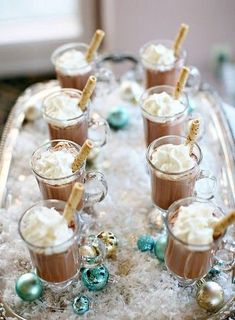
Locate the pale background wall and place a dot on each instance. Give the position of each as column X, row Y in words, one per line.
column 131, row 23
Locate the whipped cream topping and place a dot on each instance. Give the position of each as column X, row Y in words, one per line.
column 44, row 227
column 172, row 158
column 158, row 55
column 63, row 107
column 163, row 105
column 55, row 163
column 194, row 224
column 72, row 62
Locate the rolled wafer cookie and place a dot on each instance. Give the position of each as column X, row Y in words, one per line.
column 192, row 134
column 179, row 39
column 180, row 84
column 82, row 155
column 73, row 201
column 94, row 45
column 223, row 224
column 87, row 92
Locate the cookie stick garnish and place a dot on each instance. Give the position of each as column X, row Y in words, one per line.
column 82, row 155
column 94, row 45
column 180, row 38
column 87, row 92
column 221, row 225
column 73, row 201
column 192, row 134
column 180, row 84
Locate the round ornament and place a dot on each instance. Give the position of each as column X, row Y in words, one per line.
column 145, row 243
column 81, row 304
column 210, row 296
column 29, row 287
column 96, row 278
column 118, row 118
column 92, row 252
column 160, row 247
column 110, row 241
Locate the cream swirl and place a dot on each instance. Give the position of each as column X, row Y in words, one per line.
column 55, row 163
column 194, row 224
column 72, row 62
column 62, row 107
column 158, row 55
column 172, row 158
column 163, row 105
column 44, row 227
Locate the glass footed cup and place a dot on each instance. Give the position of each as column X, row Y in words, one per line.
column 56, row 265
column 190, row 262
column 60, row 188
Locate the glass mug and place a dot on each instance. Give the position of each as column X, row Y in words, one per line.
column 157, row 74
column 76, row 129
column 76, row 76
column 159, row 126
column 189, row 262
column 168, row 187
column 58, row 265
column 60, row 188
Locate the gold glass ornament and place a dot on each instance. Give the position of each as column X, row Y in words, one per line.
column 110, row 241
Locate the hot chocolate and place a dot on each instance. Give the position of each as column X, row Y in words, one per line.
column 163, row 115
column 173, row 171
column 52, row 165
column 71, row 66
column 190, row 246
column 160, row 63
column 65, row 118
column 52, row 243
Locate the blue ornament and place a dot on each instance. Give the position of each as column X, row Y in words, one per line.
column 145, row 243
column 118, row 118
column 160, row 247
column 81, row 304
column 96, row 278
column 29, row 287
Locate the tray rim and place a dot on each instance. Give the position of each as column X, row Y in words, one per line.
column 14, row 124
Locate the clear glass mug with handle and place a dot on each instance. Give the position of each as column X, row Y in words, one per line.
column 75, row 129
column 189, row 262
column 168, row 187
column 60, row 188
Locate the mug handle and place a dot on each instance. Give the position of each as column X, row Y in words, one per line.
column 211, row 182
column 95, row 188
column 98, row 127
column 194, row 80
column 106, row 81
column 224, row 257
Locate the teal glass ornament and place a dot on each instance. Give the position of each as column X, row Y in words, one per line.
column 160, row 247
column 213, row 273
column 118, row 118
column 29, row 287
column 81, row 304
column 145, row 243
column 96, row 278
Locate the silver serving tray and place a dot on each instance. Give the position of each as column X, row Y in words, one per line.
column 218, row 127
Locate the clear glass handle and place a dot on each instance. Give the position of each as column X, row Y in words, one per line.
column 98, row 130
column 194, row 80
column 224, row 257
column 95, row 188
column 205, row 185
column 106, row 81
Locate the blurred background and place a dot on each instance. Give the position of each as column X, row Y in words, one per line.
column 32, row 29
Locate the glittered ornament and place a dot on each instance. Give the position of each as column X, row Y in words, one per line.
column 210, row 295
column 29, row 287
column 110, row 241
column 160, row 247
column 213, row 273
column 96, row 278
column 145, row 243
column 81, row 304
column 118, row 118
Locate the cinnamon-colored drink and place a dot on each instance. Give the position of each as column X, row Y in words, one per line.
column 190, row 247
column 161, row 66
column 71, row 67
